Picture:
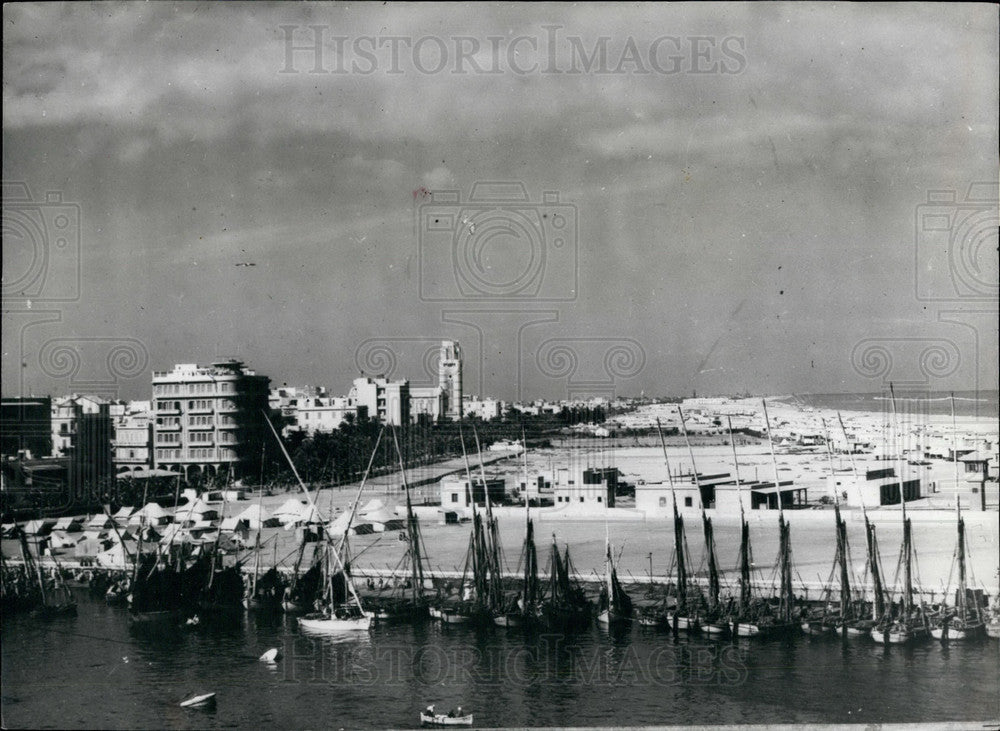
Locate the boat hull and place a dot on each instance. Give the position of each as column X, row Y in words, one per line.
column 610, row 618
column 166, row 615
column 326, row 624
column 440, row 720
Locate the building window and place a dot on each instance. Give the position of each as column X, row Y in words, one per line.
column 687, row 502
column 454, row 497
column 581, row 498
column 663, row 502
column 598, row 499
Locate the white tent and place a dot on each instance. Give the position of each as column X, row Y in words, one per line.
column 309, row 514
column 123, row 513
column 150, row 514
column 99, row 522
column 61, row 540
column 382, row 520
column 196, row 512
column 35, row 528
column 337, row 526
column 114, row 558
column 290, row 508
column 255, row 516
column 232, row 523
column 68, row 524
column 371, row 506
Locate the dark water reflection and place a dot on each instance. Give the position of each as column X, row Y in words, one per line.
column 97, row 671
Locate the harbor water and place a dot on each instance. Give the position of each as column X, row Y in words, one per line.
column 98, row 671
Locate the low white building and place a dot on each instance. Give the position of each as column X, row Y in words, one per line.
column 456, row 495
column 324, row 414
column 591, row 487
column 872, row 487
column 482, row 408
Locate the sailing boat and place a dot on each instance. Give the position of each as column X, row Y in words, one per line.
column 824, row 621
column 336, row 615
column 965, row 621
column 51, row 602
column 393, row 608
column 784, row 617
column 567, row 607
column 708, row 610
column 475, row 600
column 909, row 622
column 682, row 617
column 524, row 609
column 615, row 606
column 859, row 625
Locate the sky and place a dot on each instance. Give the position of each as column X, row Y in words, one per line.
column 591, row 199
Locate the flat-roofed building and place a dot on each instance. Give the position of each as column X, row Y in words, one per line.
column 209, row 419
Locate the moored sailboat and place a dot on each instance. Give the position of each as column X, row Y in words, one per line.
column 964, row 621
column 615, row 606
column 906, row 622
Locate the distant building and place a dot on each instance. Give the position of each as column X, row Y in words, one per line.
column 210, row 419
column 430, row 401
column 26, row 426
column 455, row 493
column 590, row 487
column 485, row 408
column 450, row 378
column 872, row 488
column 64, row 419
column 387, row 401
column 718, row 492
column 315, row 414
column 91, row 462
column 133, row 438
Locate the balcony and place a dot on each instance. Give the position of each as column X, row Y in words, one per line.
column 168, row 427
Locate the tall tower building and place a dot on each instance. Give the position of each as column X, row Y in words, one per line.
column 450, row 378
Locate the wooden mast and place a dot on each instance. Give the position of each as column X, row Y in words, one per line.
column 682, row 578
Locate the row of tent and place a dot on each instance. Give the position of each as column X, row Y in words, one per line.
column 374, row 517
column 199, row 517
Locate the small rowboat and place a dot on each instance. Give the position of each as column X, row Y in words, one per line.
column 203, row 700
column 442, row 719
column 326, row 623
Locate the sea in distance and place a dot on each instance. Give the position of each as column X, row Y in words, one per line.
column 98, row 671
column 983, row 403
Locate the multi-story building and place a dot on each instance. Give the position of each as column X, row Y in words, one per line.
column 91, row 467
column 482, row 408
column 450, row 378
column 65, row 414
column 387, row 401
column 133, row 438
column 315, row 414
column 209, row 420
column 431, row 401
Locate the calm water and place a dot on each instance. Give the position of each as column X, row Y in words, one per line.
column 984, row 403
column 95, row 671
